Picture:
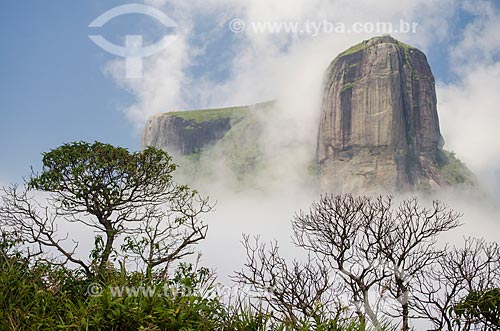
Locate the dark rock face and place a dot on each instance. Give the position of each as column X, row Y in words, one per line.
column 191, row 132
column 379, row 126
column 176, row 134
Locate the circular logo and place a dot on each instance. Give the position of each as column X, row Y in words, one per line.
column 237, row 25
column 94, row 290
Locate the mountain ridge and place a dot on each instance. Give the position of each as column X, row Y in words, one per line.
column 375, row 140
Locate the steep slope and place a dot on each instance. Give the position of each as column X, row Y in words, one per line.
column 379, row 126
column 223, row 137
column 189, row 132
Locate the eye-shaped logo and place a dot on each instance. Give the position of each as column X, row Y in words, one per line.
column 133, row 51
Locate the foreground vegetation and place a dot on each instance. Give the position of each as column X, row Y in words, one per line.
column 371, row 265
column 46, row 298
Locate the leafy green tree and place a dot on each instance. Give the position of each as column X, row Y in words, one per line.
column 482, row 307
column 116, row 193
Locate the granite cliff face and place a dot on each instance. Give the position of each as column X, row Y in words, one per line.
column 379, row 126
column 176, row 134
column 228, row 137
column 378, row 130
column 190, row 132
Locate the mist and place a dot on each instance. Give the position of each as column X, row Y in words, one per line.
column 289, row 69
column 266, row 60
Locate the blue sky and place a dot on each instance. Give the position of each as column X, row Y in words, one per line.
column 54, row 87
column 57, row 86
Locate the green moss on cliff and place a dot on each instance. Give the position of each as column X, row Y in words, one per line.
column 453, row 170
column 205, row 115
column 405, row 46
column 362, row 45
column 240, row 147
column 354, row 49
column 239, row 150
column 414, row 75
column 424, row 186
column 347, row 87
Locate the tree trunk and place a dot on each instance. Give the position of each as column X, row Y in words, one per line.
column 404, row 305
column 108, row 248
column 370, row 312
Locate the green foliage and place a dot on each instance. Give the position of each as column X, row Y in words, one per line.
column 101, row 175
column 454, row 170
column 115, row 192
column 185, row 308
column 313, row 170
column 414, row 75
column 28, row 298
column 40, row 297
column 354, row 49
column 424, row 186
column 483, row 307
column 99, row 179
column 361, row 46
column 240, row 148
column 347, row 87
column 405, row 46
column 205, row 115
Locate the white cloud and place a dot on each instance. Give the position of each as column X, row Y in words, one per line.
column 267, row 65
column 161, row 86
column 290, row 68
column 480, row 42
column 470, row 115
column 470, row 107
column 156, row 3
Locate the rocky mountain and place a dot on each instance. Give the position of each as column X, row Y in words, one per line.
column 227, row 136
column 189, row 132
column 379, row 126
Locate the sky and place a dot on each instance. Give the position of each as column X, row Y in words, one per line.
column 57, row 86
